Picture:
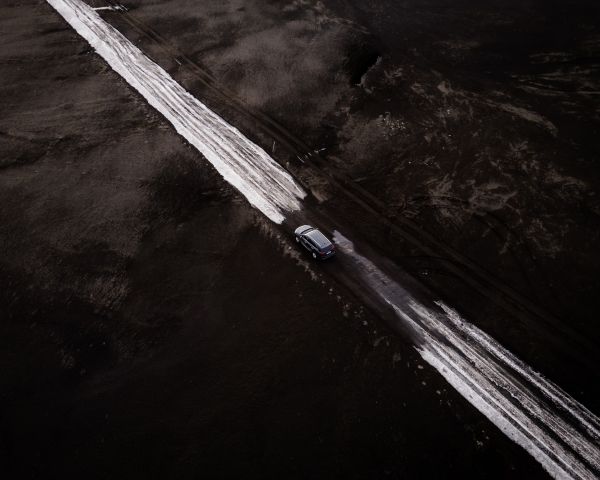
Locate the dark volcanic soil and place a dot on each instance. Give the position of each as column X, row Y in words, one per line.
column 154, row 325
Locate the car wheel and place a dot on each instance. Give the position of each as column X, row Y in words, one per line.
column 298, row 239
column 314, row 255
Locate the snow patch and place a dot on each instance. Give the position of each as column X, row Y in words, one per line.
column 556, row 430
column 246, row 166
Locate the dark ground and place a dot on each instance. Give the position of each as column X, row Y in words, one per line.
column 153, row 325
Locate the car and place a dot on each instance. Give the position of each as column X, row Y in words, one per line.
column 319, row 246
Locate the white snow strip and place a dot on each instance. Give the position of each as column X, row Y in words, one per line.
column 553, row 392
column 243, row 164
column 111, row 8
column 556, row 430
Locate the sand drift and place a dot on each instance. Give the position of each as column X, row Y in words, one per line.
column 555, row 429
column 243, row 164
column 561, row 434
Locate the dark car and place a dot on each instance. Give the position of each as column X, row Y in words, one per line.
column 314, row 241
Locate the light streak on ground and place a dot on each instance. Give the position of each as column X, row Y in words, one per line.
column 560, row 433
column 243, row 164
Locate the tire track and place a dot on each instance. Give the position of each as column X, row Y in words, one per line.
column 555, row 429
column 245, row 165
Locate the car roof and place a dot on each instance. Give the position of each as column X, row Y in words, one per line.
column 318, row 238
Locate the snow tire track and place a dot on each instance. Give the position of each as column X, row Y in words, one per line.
column 555, row 429
column 243, row 164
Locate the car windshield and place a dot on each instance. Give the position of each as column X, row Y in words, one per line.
column 319, row 239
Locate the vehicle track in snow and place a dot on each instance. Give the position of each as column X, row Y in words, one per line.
column 560, row 433
column 553, row 427
column 242, row 163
